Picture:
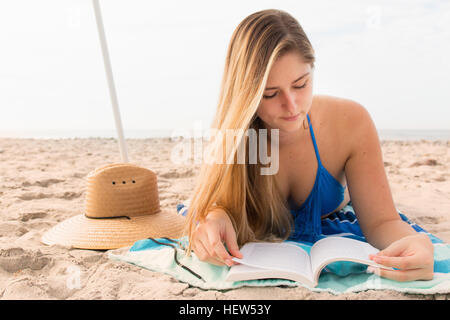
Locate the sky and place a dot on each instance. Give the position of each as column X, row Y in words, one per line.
column 168, row 58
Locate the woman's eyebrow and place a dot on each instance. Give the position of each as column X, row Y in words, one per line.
column 271, row 88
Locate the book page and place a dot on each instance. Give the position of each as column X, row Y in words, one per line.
column 276, row 256
column 332, row 249
column 242, row 272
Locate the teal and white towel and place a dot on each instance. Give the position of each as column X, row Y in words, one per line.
column 338, row 277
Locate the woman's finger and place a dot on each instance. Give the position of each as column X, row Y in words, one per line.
column 231, row 242
column 216, row 262
column 203, row 254
column 217, row 248
column 199, row 250
column 202, row 240
column 403, row 263
column 402, row 275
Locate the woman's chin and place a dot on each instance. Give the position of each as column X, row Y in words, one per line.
column 286, row 127
column 290, row 127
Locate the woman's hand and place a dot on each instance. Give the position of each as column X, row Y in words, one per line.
column 209, row 236
column 412, row 255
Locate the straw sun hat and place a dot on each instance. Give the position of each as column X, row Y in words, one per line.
column 121, row 207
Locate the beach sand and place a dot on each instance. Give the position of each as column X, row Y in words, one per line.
column 42, row 182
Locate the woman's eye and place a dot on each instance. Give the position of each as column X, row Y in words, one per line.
column 304, row 85
column 269, row 97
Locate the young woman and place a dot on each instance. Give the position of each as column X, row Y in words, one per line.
column 329, row 153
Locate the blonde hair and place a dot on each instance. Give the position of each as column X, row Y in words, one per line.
column 253, row 201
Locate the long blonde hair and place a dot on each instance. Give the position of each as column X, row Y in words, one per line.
column 253, row 201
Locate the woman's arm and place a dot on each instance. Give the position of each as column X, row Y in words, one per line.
column 370, row 193
column 367, row 181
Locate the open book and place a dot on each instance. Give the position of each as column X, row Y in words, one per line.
column 264, row 260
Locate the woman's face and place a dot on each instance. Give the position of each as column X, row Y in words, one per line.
column 288, row 93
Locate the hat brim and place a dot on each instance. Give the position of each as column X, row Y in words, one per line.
column 104, row 234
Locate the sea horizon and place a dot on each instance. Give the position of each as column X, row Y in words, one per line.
column 384, row 134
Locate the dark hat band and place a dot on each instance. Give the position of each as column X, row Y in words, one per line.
column 114, row 217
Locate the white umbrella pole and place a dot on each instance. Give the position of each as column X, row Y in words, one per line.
column 109, row 76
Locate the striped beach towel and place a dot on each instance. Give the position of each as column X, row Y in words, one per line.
column 338, row 277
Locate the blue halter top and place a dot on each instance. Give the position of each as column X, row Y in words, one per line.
column 325, row 196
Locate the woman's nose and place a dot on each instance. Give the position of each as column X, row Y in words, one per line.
column 289, row 102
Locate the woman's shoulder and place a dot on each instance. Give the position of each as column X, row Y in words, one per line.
column 338, row 118
column 335, row 112
column 335, row 107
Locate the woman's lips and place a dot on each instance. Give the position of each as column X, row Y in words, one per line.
column 293, row 118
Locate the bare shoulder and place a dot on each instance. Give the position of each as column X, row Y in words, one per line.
column 345, row 119
column 345, row 114
column 342, row 110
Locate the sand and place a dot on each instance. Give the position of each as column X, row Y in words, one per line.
column 42, row 182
